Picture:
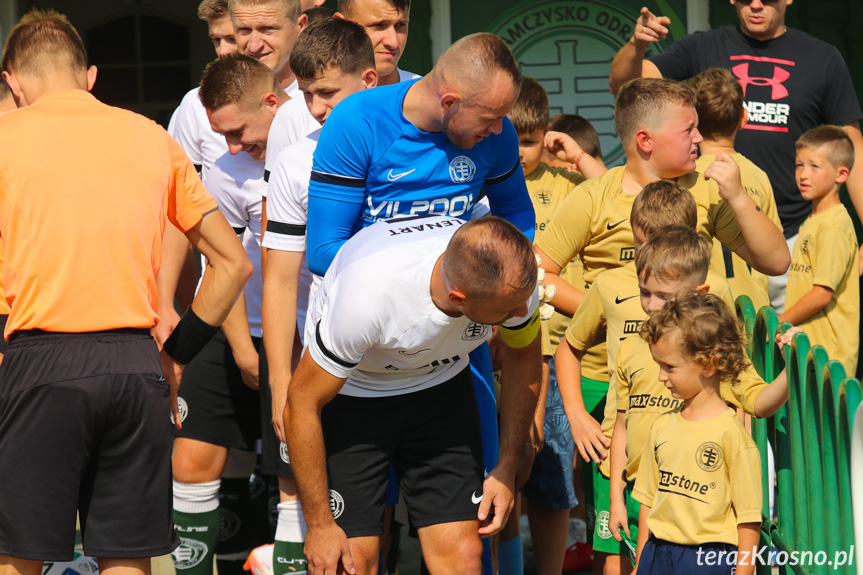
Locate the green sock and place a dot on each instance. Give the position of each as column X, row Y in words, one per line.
column 288, row 554
column 196, row 520
column 199, row 534
column 288, row 558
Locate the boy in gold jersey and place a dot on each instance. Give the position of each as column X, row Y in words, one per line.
column 720, row 114
column 823, row 292
column 609, row 312
column 658, row 125
column 672, row 259
column 550, row 487
column 700, row 480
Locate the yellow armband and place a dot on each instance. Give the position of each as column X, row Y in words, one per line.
column 521, row 335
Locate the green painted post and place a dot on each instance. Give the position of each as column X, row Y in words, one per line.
column 812, row 438
column 833, row 376
column 782, row 447
column 762, row 346
column 849, row 401
column 797, row 416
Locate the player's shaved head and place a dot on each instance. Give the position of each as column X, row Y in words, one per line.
column 488, row 254
column 290, row 8
column 211, row 10
column 474, row 62
column 44, row 43
column 236, row 79
column 345, row 6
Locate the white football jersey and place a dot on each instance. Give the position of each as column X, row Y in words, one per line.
column 190, row 126
column 373, row 320
column 292, row 122
column 236, row 183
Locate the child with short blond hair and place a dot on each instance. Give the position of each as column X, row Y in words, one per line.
column 823, row 289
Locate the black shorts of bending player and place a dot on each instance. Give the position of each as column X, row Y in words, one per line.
column 84, row 427
column 274, row 452
column 432, row 437
column 215, row 405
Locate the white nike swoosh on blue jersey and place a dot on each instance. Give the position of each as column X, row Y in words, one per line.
column 393, row 177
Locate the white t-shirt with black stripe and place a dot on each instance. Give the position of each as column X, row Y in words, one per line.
column 190, row 126
column 287, row 209
column 373, row 320
column 236, row 183
column 292, row 122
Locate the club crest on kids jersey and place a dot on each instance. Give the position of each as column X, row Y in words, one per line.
column 461, row 169
column 475, row 331
column 337, row 503
column 709, row 456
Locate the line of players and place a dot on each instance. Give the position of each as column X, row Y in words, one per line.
column 244, row 106
column 285, row 238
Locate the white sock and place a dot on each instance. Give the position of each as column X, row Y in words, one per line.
column 292, row 523
column 196, row 497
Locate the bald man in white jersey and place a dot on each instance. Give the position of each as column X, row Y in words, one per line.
column 384, row 380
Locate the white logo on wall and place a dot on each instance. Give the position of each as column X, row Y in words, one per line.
column 189, row 554
column 337, row 503
column 184, row 410
column 568, row 46
column 283, row 452
column 461, row 169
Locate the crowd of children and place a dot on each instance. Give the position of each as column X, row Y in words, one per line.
column 640, row 428
column 665, row 367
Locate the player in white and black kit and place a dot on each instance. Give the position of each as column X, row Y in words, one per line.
column 385, row 380
column 241, row 97
column 332, row 61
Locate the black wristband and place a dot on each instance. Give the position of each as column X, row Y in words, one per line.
column 189, row 337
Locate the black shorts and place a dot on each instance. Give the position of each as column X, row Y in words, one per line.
column 274, row 452
column 84, row 427
column 432, row 437
column 215, row 405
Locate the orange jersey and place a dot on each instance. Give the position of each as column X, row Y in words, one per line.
column 84, row 192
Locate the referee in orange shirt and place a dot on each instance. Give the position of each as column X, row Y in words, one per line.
column 84, row 193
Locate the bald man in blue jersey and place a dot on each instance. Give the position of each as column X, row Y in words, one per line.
column 436, row 145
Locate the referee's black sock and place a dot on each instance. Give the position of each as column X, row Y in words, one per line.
column 196, row 519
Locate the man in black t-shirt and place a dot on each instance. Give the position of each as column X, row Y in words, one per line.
column 791, row 82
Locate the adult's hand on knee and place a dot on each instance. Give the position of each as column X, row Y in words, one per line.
column 497, row 502
column 327, row 549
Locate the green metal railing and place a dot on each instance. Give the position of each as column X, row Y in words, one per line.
column 811, row 438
